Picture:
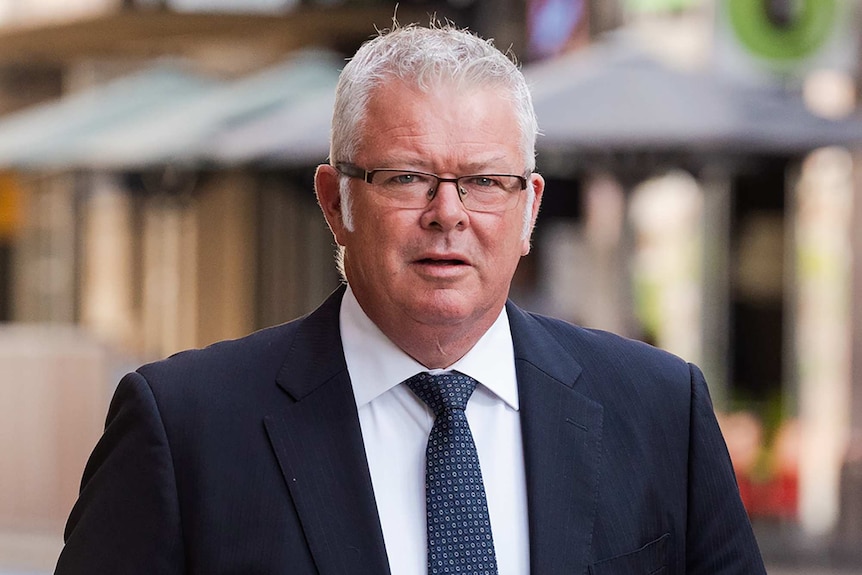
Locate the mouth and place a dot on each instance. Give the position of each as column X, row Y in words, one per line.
column 442, row 262
column 442, row 267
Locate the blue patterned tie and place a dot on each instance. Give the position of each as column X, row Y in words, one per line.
column 459, row 530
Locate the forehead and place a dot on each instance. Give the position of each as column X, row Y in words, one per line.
column 445, row 122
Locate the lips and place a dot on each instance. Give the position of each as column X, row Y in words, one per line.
column 442, row 258
column 442, row 261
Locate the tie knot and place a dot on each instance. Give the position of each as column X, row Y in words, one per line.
column 449, row 390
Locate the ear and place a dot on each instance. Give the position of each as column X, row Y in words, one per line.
column 328, row 196
column 538, row 184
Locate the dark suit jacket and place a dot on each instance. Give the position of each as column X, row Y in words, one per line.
column 247, row 458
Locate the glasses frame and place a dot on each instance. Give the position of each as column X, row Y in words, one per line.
column 353, row 171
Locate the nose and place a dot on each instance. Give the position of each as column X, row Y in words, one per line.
column 445, row 211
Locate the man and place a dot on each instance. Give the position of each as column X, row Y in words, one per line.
column 328, row 445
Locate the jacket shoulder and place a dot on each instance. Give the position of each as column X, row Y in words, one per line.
column 257, row 356
column 595, row 346
column 263, row 350
column 614, row 370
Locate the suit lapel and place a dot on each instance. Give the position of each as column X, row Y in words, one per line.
column 562, row 432
column 318, row 443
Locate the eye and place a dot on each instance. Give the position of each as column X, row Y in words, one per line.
column 482, row 182
column 404, row 179
column 398, row 179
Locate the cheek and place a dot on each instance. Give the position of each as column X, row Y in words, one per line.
column 507, row 237
column 383, row 239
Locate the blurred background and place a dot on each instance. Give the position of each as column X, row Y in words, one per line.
column 703, row 163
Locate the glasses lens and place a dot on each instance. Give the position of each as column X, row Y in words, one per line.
column 404, row 189
column 489, row 193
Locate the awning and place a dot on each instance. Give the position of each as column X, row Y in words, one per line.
column 297, row 133
column 197, row 132
column 168, row 116
column 614, row 98
column 49, row 135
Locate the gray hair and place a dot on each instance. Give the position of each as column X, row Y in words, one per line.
column 425, row 58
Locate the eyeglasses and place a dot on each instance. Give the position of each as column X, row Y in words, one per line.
column 409, row 189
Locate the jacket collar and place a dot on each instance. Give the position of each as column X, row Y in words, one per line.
column 562, row 434
column 318, row 443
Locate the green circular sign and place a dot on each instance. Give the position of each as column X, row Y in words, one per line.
column 813, row 23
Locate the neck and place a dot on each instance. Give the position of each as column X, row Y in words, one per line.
column 436, row 350
column 435, row 346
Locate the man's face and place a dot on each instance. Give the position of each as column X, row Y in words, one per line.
column 441, row 265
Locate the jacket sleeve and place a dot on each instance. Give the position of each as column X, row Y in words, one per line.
column 126, row 519
column 720, row 540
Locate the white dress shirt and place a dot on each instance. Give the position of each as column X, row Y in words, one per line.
column 395, row 426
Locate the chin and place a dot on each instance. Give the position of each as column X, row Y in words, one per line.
column 447, row 309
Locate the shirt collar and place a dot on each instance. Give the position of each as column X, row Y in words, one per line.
column 376, row 365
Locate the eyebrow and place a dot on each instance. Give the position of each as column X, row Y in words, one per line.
column 476, row 167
